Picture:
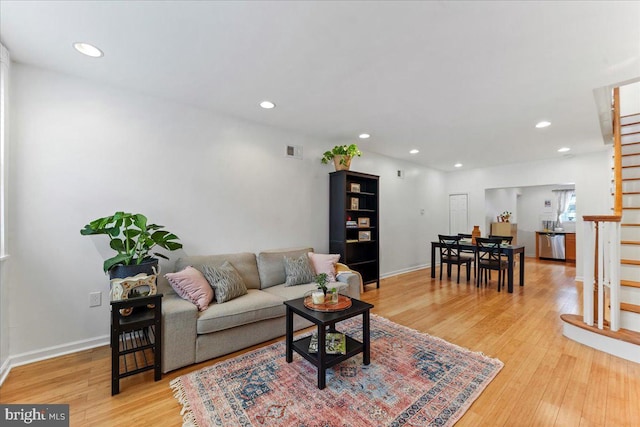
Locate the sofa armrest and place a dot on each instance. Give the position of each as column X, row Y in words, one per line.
column 178, row 332
column 353, row 279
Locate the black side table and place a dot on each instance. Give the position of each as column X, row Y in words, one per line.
column 323, row 320
column 136, row 338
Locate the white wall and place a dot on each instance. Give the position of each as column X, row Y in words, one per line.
column 630, row 99
column 591, row 174
column 497, row 201
column 406, row 231
column 5, row 70
column 222, row 185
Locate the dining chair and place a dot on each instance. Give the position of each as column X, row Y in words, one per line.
column 505, row 240
column 450, row 255
column 468, row 253
column 489, row 257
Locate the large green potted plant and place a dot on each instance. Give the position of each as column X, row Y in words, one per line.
column 132, row 238
column 341, row 156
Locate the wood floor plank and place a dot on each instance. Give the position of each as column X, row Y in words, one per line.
column 618, row 392
column 556, row 387
column 597, row 397
column 547, row 380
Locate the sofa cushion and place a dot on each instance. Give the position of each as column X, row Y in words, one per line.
column 225, row 281
column 324, row 263
column 191, row 285
column 255, row 306
column 243, row 262
column 297, row 270
column 271, row 265
column 292, row 292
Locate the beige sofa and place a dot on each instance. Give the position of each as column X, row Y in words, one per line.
column 190, row 336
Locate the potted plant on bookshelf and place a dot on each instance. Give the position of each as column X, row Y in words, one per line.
column 132, row 238
column 341, row 156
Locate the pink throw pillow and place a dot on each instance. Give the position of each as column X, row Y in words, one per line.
column 325, row 264
column 191, row 285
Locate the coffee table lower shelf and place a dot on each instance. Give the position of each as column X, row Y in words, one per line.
column 301, row 347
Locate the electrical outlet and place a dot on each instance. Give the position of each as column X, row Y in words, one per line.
column 95, row 299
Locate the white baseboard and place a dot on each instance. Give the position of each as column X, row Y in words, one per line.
column 404, row 270
column 603, row 343
column 50, row 352
column 4, row 370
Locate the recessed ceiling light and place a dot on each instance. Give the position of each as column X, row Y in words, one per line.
column 414, row 151
column 457, row 165
column 267, row 105
column 88, row 49
column 543, row 124
column 563, row 149
column 364, row 136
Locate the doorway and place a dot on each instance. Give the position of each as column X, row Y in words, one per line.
column 458, row 214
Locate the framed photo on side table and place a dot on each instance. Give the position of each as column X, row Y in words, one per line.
column 355, row 187
column 355, row 203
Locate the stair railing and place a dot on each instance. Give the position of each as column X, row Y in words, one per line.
column 601, row 270
column 602, row 245
column 617, row 153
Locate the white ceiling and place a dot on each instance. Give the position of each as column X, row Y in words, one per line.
column 461, row 81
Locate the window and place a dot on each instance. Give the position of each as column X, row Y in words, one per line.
column 568, row 214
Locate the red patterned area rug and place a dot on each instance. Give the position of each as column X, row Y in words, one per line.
column 414, row 379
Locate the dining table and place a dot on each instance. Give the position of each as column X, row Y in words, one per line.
column 509, row 250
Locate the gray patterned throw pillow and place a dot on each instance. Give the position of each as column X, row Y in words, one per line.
column 225, row 281
column 297, row 270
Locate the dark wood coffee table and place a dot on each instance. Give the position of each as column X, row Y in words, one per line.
column 328, row 320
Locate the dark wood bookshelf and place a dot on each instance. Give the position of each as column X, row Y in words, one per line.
column 359, row 246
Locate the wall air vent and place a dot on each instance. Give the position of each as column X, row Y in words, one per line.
column 293, row 151
column 400, row 174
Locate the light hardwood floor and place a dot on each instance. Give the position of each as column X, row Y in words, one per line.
column 547, row 380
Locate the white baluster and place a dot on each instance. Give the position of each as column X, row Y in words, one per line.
column 614, row 272
column 587, row 284
column 601, row 239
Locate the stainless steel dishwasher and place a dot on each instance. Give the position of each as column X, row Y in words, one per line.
column 551, row 246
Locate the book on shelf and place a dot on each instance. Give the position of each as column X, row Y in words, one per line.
column 335, row 343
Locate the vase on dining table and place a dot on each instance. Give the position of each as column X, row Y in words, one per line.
column 475, row 233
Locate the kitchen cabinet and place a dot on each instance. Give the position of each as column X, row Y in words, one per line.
column 570, row 247
column 505, row 229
